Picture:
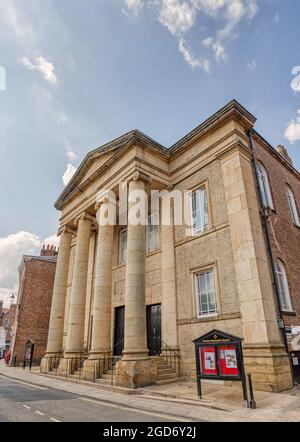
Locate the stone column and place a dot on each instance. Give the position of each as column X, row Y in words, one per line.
column 56, row 324
column 78, row 292
column 168, row 273
column 101, row 329
column 264, row 353
column 135, row 369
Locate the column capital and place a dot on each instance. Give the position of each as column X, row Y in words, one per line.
column 65, row 229
column 84, row 216
column 140, row 176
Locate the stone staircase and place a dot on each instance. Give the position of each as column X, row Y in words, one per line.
column 166, row 374
column 108, row 378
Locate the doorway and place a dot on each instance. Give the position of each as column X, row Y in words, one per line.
column 119, row 331
column 154, row 329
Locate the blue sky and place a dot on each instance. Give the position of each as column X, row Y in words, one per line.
column 80, row 73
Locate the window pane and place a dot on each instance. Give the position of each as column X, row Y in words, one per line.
column 283, row 288
column 199, row 211
column 293, row 207
column 264, row 187
column 205, row 293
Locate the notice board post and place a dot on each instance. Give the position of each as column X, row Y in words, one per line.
column 219, row 356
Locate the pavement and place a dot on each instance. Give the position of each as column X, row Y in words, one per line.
column 71, row 400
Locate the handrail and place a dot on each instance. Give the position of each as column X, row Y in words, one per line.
column 107, row 362
column 171, row 356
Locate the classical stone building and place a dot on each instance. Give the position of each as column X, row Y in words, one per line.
column 142, row 292
column 36, row 280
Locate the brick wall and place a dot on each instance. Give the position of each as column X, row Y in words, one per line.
column 35, row 295
column 285, row 236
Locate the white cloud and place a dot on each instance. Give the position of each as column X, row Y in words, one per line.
column 41, row 65
column 191, row 59
column 295, row 84
column 15, row 19
column 178, row 17
column 12, row 248
column 72, row 156
column 133, row 6
column 216, row 46
column 292, row 132
column 251, row 65
column 69, row 172
column 62, row 118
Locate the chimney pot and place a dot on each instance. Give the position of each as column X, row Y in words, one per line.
column 284, row 153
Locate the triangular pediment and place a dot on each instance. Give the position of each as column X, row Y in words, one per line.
column 96, row 160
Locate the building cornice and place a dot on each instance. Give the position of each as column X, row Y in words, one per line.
column 233, row 110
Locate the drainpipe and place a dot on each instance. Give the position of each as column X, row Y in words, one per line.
column 265, row 218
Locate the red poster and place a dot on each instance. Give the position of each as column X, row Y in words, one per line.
column 228, row 360
column 208, row 361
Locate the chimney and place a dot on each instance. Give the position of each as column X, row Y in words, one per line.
column 284, row 153
column 49, row 250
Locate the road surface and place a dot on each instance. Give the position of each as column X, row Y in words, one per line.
column 22, row 402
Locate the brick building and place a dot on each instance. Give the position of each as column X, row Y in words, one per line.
column 140, row 291
column 281, row 216
column 36, row 278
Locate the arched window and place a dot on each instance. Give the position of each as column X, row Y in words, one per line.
column 264, row 186
column 293, row 207
column 284, row 292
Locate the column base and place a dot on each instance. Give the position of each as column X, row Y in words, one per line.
column 135, row 374
column 49, row 362
column 64, row 368
column 91, row 369
column 45, row 365
column 269, row 366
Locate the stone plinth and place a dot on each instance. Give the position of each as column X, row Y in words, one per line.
column 269, row 368
column 91, row 369
column 136, row 374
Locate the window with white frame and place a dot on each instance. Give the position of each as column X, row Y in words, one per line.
column 284, row 292
column 6, row 322
column 264, row 186
column 205, row 293
column 199, row 211
column 153, row 233
column 122, row 246
column 293, row 207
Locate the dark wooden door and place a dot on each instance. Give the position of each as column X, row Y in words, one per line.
column 154, row 329
column 119, row 331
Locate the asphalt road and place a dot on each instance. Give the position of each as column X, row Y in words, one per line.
column 22, row 402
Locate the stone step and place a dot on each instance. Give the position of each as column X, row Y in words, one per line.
column 106, row 376
column 163, row 366
column 161, row 377
column 169, row 381
column 103, row 381
column 166, row 370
